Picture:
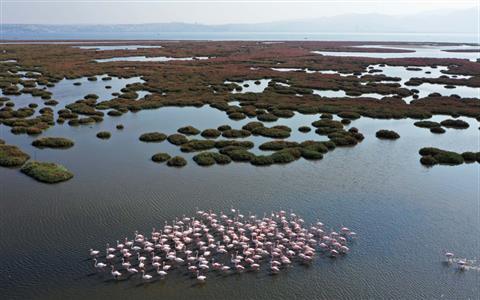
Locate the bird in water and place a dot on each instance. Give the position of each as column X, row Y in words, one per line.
column 227, row 242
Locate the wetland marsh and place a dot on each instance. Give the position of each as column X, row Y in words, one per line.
column 256, row 126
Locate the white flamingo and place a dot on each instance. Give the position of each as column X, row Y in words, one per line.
column 201, row 278
column 146, row 276
column 115, row 273
column 99, row 265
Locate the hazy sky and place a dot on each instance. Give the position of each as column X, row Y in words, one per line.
column 206, row 12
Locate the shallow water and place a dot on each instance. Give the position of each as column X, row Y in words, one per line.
column 65, row 92
column 117, row 47
column 419, row 51
column 252, row 86
column 404, row 74
column 145, row 58
column 405, row 214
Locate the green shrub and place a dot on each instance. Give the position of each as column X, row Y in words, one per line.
column 237, row 153
column 152, row 137
column 46, row 172
column 160, row 157
column 428, row 160
column 329, row 144
column 283, row 113
column 177, row 139
column 222, row 159
column 327, row 123
column 33, row 130
column 73, row 122
column 353, row 130
column 252, row 125
column 346, row 121
column 119, row 126
column 304, row 129
column 325, row 130
column 241, row 144
column 449, row 158
column 177, row 161
column 316, row 146
column 12, row 156
column 197, row 145
column 18, row 130
column 189, row 130
column 437, row 130
column 311, row 154
column 342, row 141
column 277, row 145
column 237, row 116
column 348, row 115
column 326, row 116
column 104, row 135
column 85, row 121
column 211, row 133
column 442, row 156
column 273, row 132
column 286, row 155
column 236, row 133
column 204, row 159
column 458, row 124
column 114, row 113
column 268, row 117
column 51, row 102
column 224, row 127
column 210, row 158
column 429, row 151
column 53, row 142
column 262, row 160
column 426, row 124
column 469, row 156
column 387, row 134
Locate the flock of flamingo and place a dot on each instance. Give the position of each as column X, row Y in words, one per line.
column 462, row 263
column 227, row 243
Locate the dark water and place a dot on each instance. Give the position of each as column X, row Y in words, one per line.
column 259, row 36
column 405, row 214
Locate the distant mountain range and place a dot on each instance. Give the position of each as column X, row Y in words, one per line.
column 463, row 22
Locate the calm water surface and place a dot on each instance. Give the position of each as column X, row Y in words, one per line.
column 145, row 58
column 405, row 214
column 117, row 47
column 418, row 51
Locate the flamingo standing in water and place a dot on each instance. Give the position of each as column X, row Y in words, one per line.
column 225, row 242
column 146, row 276
column 94, row 252
column 115, row 273
column 449, row 256
column 99, row 265
column 162, row 273
column 201, row 278
column 462, row 264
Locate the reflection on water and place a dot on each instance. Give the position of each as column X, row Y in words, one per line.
column 405, row 74
column 153, row 58
column 250, row 86
column 404, row 213
column 117, row 47
column 419, row 51
column 341, row 93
